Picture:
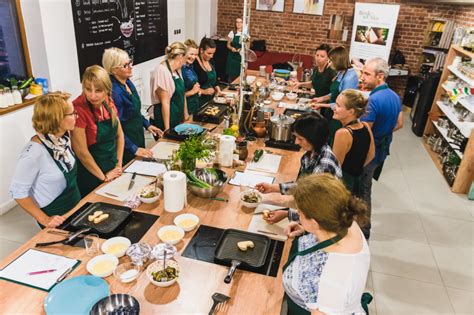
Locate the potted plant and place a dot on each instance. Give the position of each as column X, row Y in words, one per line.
column 193, row 148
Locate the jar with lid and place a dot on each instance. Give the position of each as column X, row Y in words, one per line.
column 8, row 97
column 16, row 95
column 242, row 150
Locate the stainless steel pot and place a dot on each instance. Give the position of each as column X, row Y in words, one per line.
column 281, row 128
column 264, row 113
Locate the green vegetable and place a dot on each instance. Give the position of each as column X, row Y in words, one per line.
column 26, row 83
column 193, row 180
column 192, row 149
column 257, row 155
column 167, row 274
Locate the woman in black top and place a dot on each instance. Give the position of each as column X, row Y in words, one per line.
column 354, row 143
column 206, row 73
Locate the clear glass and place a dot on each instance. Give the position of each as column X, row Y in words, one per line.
column 92, row 242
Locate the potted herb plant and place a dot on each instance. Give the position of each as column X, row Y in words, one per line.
column 193, row 148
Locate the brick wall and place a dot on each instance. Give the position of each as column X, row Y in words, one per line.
column 299, row 33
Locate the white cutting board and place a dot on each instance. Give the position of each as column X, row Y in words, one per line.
column 269, row 163
column 164, row 150
column 259, row 224
column 118, row 188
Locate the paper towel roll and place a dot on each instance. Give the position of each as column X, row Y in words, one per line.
column 226, row 150
column 174, row 189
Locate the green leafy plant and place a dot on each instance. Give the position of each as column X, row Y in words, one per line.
column 193, row 148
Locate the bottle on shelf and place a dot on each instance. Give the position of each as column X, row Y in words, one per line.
column 16, row 95
column 8, row 97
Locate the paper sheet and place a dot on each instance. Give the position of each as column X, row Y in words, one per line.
column 35, row 260
column 250, row 179
column 118, row 188
column 267, row 163
column 146, row 168
column 164, row 150
column 258, row 224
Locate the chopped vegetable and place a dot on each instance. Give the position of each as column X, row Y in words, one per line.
column 193, row 180
column 149, row 194
column 167, row 274
column 251, row 197
column 257, row 155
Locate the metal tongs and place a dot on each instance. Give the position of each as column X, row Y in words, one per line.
column 67, row 240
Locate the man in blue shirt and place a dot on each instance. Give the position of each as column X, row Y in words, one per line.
column 384, row 115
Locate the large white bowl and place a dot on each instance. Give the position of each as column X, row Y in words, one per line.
column 186, row 216
column 250, row 79
column 101, row 259
column 277, row 96
column 291, row 96
column 114, row 241
column 158, row 265
column 166, row 228
column 250, row 204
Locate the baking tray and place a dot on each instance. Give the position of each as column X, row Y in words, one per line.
column 118, row 215
column 201, row 116
column 293, row 113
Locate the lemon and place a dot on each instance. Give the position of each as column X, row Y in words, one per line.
column 234, row 128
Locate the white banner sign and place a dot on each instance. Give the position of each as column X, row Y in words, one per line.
column 373, row 30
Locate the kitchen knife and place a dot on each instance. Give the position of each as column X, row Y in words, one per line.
column 271, row 210
column 132, row 181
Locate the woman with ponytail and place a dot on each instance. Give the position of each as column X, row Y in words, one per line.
column 167, row 89
column 354, row 143
column 329, row 259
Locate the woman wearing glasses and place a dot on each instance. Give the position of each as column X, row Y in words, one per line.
column 98, row 137
column 127, row 101
column 45, row 183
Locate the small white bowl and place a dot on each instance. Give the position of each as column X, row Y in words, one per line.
column 267, row 102
column 291, row 96
column 110, row 260
column 158, row 265
column 170, row 229
column 277, row 96
column 250, row 79
column 250, row 204
column 179, row 220
column 127, row 272
column 110, row 246
column 146, row 190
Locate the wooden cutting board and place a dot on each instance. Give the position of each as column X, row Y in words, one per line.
column 118, row 188
column 163, row 150
column 275, row 231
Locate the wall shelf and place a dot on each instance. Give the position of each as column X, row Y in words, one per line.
column 444, row 134
column 461, row 76
column 464, row 127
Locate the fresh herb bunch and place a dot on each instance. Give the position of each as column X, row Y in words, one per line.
column 195, row 147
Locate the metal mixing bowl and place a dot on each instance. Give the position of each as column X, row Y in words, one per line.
column 116, row 304
column 217, row 181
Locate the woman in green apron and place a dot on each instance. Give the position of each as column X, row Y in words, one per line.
column 354, row 143
column 233, row 58
column 44, row 183
column 329, row 259
column 127, row 101
column 98, row 137
column 205, row 71
column 191, row 84
column 170, row 107
column 346, row 78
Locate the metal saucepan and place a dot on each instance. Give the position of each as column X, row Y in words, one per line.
column 281, row 128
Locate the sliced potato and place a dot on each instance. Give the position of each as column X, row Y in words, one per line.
column 101, row 218
column 266, row 213
column 245, row 245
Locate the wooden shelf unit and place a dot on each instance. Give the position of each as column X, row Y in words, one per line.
column 465, row 173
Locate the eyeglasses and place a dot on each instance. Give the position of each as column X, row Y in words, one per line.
column 128, row 65
column 74, row 113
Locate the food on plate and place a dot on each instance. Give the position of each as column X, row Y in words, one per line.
column 101, row 218
column 148, row 194
column 212, row 110
column 95, row 215
column 116, row 248
column 170, row 236
column 245, row 245
column 101, row 267
column 251, row 197
column 187, row 223
column 295, row 115
column 266, row 213
column 164, row 275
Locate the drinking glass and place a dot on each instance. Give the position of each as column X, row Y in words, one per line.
column 91, row 242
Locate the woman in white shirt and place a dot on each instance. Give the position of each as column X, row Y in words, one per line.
column 328, row 265
column 45, row 183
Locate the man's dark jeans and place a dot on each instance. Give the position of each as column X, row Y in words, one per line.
column 366, row 193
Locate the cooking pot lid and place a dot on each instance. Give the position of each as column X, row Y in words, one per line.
column 282, row 120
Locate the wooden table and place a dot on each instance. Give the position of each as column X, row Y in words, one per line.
column 250, row 293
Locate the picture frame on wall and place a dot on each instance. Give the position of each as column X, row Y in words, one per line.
column 270, row 5
column 312, row 7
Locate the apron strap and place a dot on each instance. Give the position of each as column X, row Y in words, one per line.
column 169, row 68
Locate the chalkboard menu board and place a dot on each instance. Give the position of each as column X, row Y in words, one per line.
column 139, row 27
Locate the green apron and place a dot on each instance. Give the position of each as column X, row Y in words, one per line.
column 295, row 309
column 70, row 196
column 234, row 60
column 104, row 152
column 133, row 128
column 334, row 125
column 321, row 81
column 193, row 100
column 211, row 82
column 176, row 104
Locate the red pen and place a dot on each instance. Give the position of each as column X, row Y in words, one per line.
column 40, row 272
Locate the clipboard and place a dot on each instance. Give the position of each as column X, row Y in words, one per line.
column 16, row 271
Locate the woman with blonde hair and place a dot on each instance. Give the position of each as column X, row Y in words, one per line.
column 127, row 101
column 191, row 84
column 353, row 143
column 98, row 137
column 167, row 89
column 329, row 259
column 44, row 183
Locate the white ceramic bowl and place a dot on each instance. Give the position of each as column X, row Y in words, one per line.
column 146, row 190
column 291, row 96
column 116, row 246
column 267, row 102
column 184, row 220
column 277, row 96
column 250, row 79
column 164, row 230
column 158, row 265
column 250, row 204
column 110, row 261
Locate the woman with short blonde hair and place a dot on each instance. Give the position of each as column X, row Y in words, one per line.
column 191, row 84
column 167, row 89
column 44, row 183
column 127, row 102
column 98, row 137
